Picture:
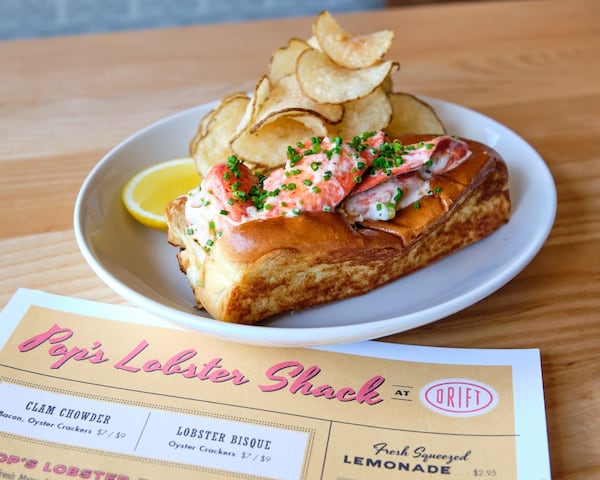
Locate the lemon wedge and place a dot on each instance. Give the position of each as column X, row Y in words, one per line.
column 147, row 193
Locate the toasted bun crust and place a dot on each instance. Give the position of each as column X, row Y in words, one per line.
column 264, row 267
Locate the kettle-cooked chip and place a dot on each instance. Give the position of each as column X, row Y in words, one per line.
column 371, row 113
column 267, row 147
column 283, row 60
column 287, row 98
column 412, row 115
column 388, row 83
column 314, row 123
column 325, row 82
column 361, row 51
column 260, row 95
column 313, row 42
column 213, row 146
column 201, row 132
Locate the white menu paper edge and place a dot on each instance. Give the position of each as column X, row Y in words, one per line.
column 532, row 451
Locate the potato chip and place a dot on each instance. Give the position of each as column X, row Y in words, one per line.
column 213, row 146
column 203, row 127
column 388, row 84
column 412, row 115
column 287, row 98
column 201, row 132
column 267, row 147
column 313, row 42
column 205, row 121
column 368, row 114
column 325, row 82
column 361, row 51
column 260, row 95
column 283, row 60
column 316, row 125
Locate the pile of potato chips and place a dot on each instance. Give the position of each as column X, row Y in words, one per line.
column 332, row 84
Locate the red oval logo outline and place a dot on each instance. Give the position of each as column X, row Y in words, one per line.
column 459, row 397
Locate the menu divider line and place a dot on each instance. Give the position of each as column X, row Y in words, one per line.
column 326, row 449
column 142, row 430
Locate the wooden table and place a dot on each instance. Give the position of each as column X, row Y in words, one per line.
column 532, row 65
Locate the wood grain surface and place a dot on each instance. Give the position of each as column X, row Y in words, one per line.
column 532, row 65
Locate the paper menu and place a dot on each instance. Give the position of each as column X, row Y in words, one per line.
column 89, row 390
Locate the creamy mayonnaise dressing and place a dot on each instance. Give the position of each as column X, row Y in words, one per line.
column 384, row 200
column 325, row 177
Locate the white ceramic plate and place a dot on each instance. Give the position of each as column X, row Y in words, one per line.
column 139, row 264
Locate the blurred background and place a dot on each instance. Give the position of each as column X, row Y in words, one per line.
column 21, row 19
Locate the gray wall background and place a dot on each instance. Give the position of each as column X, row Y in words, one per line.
column 21, row 19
